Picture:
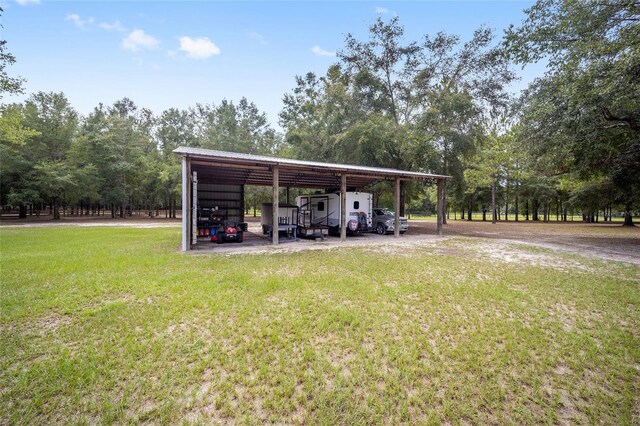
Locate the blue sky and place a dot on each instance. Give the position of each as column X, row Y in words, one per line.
column 164, row 54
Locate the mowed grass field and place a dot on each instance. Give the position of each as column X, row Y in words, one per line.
column 104, row 325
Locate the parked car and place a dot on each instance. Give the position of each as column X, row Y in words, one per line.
column 383, row 221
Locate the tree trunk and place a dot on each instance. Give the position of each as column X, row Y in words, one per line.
column 628, row 216
column 56, row 209
column 401, row 199
column 526, row 209
column 444, row 201
column 506, row 200
column 462, row 214
column 484, row 215
column 22, row 213
column 517, row 209
column 610, row 213
column 494, row 212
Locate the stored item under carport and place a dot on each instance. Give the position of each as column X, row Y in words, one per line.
column 229, row 231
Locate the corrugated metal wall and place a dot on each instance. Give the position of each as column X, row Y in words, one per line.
column 228, row 198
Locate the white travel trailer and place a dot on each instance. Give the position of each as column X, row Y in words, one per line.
column 320, row 213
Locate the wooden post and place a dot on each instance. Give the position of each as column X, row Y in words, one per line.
column 343, row 207
column 276, row 206
column 444, row 202
column 440, row 205
column 185, row 205
column 396, row 219
column 242, row 205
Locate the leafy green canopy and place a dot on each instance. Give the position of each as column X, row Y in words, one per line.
column 118, row 156
column 583, row 116
column 388, row 101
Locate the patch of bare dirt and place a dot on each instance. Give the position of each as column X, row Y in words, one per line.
column 52, row 323
column 601, row 240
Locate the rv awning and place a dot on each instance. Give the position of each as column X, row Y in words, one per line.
column 235, row 168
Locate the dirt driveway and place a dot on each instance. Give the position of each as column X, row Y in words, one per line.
column 605, row 241
column 610, row 242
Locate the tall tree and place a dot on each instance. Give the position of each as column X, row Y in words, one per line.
column 8, row 84
column 587, row 105
column 43, row 155
column 240, row 128
column 400, row 103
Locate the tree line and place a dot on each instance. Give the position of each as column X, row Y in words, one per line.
column 569, row 143
column 117, row 158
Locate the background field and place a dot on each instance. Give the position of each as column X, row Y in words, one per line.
column 114, row 325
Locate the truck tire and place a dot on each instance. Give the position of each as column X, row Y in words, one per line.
column 380, row 229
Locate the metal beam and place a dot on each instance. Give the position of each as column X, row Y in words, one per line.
column 185, row 205
column 343, row 207
column 396, row 217
column 193, row 204
column 276, row 205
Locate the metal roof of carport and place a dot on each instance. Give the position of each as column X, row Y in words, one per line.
column 235, row 168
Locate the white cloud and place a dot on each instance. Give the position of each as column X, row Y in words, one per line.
column 79, row 22
column 382, row 10
column 113, row 26
column 137, row 39
column 198, row 48
column 258, row 37
column 27, row 2
column 319, row 51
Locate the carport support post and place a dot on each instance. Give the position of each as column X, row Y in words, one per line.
column 276, row 206
column 440, row 205
column 185, row 204
column 396, row 217
column 343, row 208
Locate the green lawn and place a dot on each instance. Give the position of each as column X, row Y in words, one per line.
column 103, row 325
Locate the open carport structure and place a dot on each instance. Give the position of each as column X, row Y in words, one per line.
column 207, row 167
